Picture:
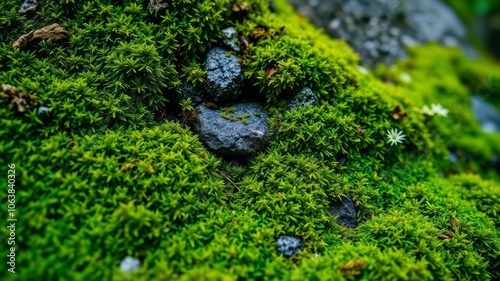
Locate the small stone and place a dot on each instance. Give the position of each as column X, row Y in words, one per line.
column 229, row 38
column 156, row 6
column 224, row 76
column 240, row 129
column 452, row 157
column 43, row 110
column 28, row 6
column 130, row 264
column 303, row 98
column 289, row 245
column 345, row 211
column 52, row 32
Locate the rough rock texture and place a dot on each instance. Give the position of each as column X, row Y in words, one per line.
column 486, row 115
column 380, row 30
column 242, row 130
column 289, row 245
column 189, row 91
column 345, row 211
column 21, row 100
column 229, row 38
column 130, row 264
column 52, row 32
column 224, row 76
column 155, row 6
column 303, row 98
column 28, row 6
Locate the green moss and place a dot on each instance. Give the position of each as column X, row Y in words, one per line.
column 102, row 177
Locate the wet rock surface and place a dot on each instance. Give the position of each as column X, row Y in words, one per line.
column 487, row 115
column 380, row 30
column 289, row 245
column 224, row 76
column 191, row 92
column 53, row 32
column 240, row 129
column 303, row 98
column 345, row 211
column 28, row 6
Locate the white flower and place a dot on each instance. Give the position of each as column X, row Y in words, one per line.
column 439, row 110
column 427, row 110
column 395, row 136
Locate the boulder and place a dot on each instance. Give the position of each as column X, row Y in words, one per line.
column 289, row 245
column 224, row 76
column 303, row 98
column 345, row 211
column 487, row 115
column 237, row 130
column 380, row 30
column 193, row 93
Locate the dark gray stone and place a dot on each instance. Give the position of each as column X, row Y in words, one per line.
column 230, row 39
column 189, row 91
column 303, row 98
column 226, row 133
column 289, row 245
column 486, row 115
column 380, row 30
column 224, row 76
column 345, row 211
column 28, row 6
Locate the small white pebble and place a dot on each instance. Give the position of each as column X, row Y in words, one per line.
column 405, row 77
column 362, row 69
column 130, row 264
column 166, row 230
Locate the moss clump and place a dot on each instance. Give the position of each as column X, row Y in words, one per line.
column 102, row 177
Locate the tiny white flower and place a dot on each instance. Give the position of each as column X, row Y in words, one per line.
column 439, row 110
column 395, row 136
column 405, row 77
column 427, row 110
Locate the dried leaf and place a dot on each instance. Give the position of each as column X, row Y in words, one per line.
column 454, row 223
column 397, row 114
column 352, row 265
column 129, row 165
column 270, row 72
column 443, row 236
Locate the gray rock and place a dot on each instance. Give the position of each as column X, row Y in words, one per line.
column 190, row 92
column 230, row 39
column 239, row 130
column 486, row 115
column 345, row 211
column 28, row 6
column 43, row 110
column 303, row 98
column 156, row 6
column 224, row 76
column 130, row 264
column 452, row 157
column 289, row 245
column 380, row 30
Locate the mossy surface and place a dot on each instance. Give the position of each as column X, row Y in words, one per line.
column 103, row 176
